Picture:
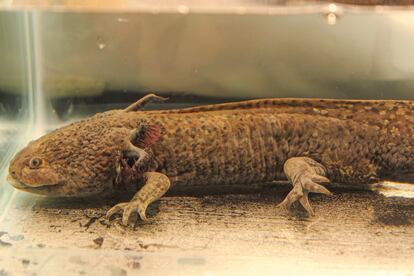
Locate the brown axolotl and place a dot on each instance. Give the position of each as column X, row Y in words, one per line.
column 308, row 141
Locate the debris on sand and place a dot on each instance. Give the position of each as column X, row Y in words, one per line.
column 5, row 244
column 99, row 241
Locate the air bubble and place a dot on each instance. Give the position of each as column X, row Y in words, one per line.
column 101, row 44
column 122, row 20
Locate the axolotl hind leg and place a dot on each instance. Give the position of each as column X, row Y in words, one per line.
column 305, row 174
column 156, row 185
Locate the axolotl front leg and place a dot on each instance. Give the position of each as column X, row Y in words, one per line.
column 136, row 147
column 155, row 186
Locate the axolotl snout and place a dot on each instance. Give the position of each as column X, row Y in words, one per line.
column 309, row 142
column 76, row 160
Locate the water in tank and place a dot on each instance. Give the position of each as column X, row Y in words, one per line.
column 61, row 61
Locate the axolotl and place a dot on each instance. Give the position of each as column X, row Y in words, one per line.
column 309, row 142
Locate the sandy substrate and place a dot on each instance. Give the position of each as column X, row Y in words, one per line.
column 210, row 235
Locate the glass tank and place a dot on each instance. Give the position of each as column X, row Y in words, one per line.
column 61, row 61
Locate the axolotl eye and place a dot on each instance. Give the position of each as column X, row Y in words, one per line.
column 35, row 163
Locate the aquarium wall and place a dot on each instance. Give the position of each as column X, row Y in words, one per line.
column 61, row 61
column 64, row 61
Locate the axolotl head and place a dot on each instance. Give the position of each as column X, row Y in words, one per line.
column 75, row 160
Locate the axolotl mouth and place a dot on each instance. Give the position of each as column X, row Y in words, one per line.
column 47, row 189
column 36, row 175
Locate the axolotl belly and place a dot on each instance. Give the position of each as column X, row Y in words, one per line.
column 306, row 141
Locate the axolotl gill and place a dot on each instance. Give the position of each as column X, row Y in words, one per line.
column 309, row 142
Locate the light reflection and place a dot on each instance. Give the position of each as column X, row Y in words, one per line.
column 394, row 189
column 183, row 9
column 332, row 8
column 331, row 19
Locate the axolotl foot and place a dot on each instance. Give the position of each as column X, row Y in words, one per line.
column 156, row 185
column 305, row 174
column 128, row 209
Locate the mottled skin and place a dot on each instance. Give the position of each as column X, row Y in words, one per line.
column 307, row 141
